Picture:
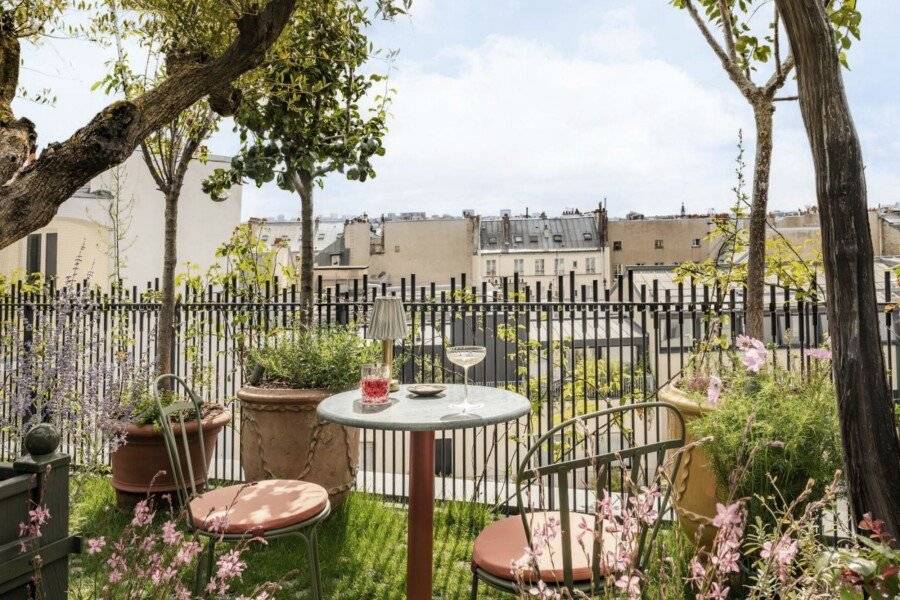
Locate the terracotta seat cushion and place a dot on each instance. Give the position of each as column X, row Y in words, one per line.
column 259, row 506
column 503, row 542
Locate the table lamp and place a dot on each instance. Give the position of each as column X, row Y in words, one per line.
column 387, row 323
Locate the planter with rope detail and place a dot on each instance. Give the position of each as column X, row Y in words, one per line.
column 282, row 438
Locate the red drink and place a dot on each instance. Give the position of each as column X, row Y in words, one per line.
column 375, row 390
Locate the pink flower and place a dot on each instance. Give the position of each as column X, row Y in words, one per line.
column 542, row 591
column 753, row 360
column 95, row 545
column 585, row 528
column 782, row 552
column 717, row 591
column 818, row 353
column 713, row 390
column 745, row 342
column 630, row 584
column 39, row 515
column 187, row 553
column 698, row 571
column 230, row 565
column 142, row 514
column 171, row 535
column 730, row 515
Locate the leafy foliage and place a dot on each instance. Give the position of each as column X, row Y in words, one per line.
column 787, row 421
column 322, row 358
column 302, row 112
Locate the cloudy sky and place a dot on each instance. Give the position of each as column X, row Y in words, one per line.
column 551, row 105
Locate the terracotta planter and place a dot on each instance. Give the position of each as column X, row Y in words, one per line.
column 695, row 491
column 144, row 456
column 281, row 437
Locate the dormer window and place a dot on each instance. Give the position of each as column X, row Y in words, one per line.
column 518, row 239
column 587, row 236
column 533, row 238
column 557, row 237
column 492, row 239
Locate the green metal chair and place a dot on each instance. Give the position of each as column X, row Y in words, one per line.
column 267, row 509
column 573, row 564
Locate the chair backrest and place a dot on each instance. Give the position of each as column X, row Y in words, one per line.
column 643, row 452
column 180, row 459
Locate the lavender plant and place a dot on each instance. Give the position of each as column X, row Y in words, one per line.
column 59, row 374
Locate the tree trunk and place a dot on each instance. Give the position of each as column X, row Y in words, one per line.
column 871, row 447
column 166, row 325
column 756, row 262
column 304, row 184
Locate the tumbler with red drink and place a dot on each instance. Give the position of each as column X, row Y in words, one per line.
column 375, row 384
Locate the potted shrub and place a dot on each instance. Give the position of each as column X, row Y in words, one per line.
column 140, row 465
column 281, row 437
column 770, row 430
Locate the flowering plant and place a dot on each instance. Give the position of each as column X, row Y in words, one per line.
column 57, row 378
column 786, row 418
column 152, row 561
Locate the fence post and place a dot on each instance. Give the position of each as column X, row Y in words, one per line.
column 37, row 566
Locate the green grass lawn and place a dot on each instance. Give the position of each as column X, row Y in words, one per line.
column 362, row 548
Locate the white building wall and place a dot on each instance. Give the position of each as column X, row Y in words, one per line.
column 202, row 224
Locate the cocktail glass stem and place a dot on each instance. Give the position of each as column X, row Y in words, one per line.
column 465, row 406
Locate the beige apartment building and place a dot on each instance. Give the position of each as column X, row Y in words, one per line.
column 540, row 249
column 121, row 212
column 658, row 241
column 433, row 249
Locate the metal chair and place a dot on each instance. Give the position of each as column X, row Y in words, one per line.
column 270, row 509
column 505, row 540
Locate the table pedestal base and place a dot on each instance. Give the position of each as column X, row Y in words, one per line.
column 421, row 516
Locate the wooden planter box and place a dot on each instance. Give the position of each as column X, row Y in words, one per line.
column 29, row 562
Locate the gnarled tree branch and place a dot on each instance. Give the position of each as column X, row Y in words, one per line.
column 31, row 200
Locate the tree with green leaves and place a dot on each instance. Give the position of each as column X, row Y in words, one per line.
column 168, row 151
column 33, row 185
column 743, row 51
column 303, row 117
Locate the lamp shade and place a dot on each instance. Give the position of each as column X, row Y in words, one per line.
column 388, row 320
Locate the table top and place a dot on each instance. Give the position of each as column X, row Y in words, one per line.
column 407, row 412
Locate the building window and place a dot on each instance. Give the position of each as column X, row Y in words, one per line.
column 519, row 266
column 695, row 243
column 574, row 265
column 518, row 239
column 396, row 248
column 590, row 265
column 33, row 254
column 533, row 238
column 50, row 245
column 559, row 266
column 617, row 245
column 335, row 260
column 443, row 457
column 658, row 244
column 587, row 236
column 539, row 266
column 491, row 267
column 557, row 237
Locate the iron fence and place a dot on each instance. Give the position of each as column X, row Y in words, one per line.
column 568, row 347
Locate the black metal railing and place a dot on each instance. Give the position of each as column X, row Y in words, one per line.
column 567, row 346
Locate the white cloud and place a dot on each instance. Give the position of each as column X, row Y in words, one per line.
column 520, row 124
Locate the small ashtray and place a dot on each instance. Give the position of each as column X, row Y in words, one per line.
column 427, row 390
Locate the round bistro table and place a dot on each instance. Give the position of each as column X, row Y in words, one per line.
column 422, row 417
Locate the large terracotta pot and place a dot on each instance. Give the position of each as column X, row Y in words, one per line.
column 281, row 437
column 143, row 457
column 695, row 490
